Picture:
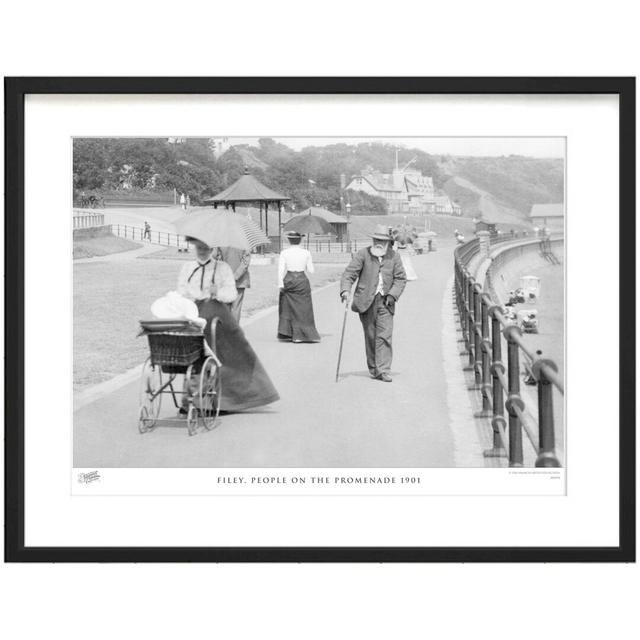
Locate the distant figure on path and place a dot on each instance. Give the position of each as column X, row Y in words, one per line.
column 147, row 231
column 403, row 252
column 239, row 261
column 295, row 309
column 183, row 202
column 381, row 279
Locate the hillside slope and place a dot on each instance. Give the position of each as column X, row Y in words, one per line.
column 477, row 202
column 514, row 182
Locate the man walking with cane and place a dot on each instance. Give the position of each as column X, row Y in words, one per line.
column 380, row 282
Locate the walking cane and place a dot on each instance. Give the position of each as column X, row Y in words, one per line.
column 344, row 324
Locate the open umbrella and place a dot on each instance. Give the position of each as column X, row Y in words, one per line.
column 307, row 224
column 404, row 234
column 222, row 229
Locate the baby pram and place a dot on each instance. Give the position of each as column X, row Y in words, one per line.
column 178, row 347
column 528, row 320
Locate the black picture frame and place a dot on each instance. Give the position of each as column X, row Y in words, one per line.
column 15, row 91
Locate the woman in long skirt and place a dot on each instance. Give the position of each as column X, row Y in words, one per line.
column 403, row 252
column 296, row 322
column 211, row 285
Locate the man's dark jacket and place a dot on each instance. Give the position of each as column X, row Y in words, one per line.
column 364, row 267
column 239, row 261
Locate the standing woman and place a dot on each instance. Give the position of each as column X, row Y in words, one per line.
column 404, row 236
column 296, row 321
column 210, row 284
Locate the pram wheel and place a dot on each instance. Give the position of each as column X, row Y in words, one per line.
column 150, row 396
column 209, row 392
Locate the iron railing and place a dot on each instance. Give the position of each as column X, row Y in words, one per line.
column 337, row 246
column 483, row 329
column 175, row 240
column 163, row 238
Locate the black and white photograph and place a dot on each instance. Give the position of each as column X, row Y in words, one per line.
column 318, row 302
column 320, row 320
column 363, row 319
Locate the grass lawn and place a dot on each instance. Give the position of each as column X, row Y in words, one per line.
column 102, row 246
column 110, row 298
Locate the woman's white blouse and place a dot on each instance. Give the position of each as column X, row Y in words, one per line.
column 194, row 274
column 293, row 259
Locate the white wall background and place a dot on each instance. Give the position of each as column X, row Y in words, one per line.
column 328, row 38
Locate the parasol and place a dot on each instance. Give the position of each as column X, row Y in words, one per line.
column 307, row 224
column 404, row 234
column 222, row 229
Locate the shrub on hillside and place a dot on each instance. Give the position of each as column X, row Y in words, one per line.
column 363, row 204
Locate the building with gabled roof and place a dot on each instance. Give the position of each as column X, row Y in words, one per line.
column 548, row 215
column 338, row 223
column 405, row 190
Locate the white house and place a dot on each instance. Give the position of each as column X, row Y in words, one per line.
column 406, row 191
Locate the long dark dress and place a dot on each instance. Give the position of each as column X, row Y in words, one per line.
column 245, row 383
column 296, row 320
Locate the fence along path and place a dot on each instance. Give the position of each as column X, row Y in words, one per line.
column 483, row 327
column 169, row 239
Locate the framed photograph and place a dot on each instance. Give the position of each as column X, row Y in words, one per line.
column 320, row 319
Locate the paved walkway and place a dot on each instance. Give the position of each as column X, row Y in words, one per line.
column 357, row 422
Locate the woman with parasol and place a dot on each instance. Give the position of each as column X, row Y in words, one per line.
column 403, row 236
column 210, row 283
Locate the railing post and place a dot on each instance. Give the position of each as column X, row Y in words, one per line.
column 486, row 350
column 498, row 423
column 470, row 320
column 546, row 428
column 477, row 333
column 514, row 400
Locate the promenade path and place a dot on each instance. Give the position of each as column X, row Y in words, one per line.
column 357, row 422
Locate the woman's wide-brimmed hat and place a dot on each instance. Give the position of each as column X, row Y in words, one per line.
column 293, row 234
column 381, row 233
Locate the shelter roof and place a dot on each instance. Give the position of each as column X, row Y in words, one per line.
column 247, row 189
column 329, row 216
column 547, row 210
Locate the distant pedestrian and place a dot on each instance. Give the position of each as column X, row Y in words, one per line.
column 183, row 202
column 381, row 279
column 188, row 200
column 147, row 231
column 295, row 308
column 403, row 251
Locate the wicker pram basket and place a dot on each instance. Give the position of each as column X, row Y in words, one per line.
column 175, row 349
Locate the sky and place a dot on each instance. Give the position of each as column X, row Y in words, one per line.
column 536, row 147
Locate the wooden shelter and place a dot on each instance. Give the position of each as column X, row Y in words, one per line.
column 248, row 190
column 338, row 223
column 484, row 225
